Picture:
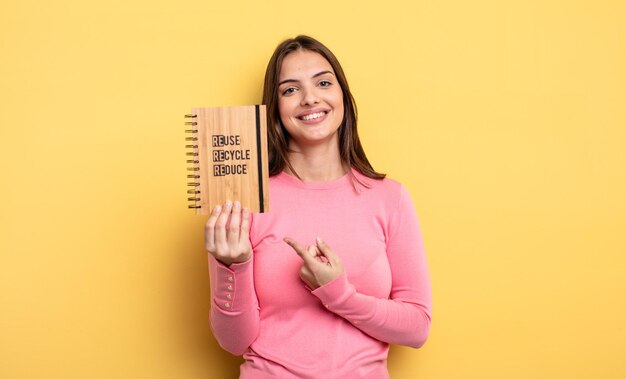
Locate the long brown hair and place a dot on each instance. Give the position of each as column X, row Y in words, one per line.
column 350, row 148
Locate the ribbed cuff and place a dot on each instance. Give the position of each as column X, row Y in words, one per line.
column 234, row 286
column 335, row 293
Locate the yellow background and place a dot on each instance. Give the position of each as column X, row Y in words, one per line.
column 505, row 119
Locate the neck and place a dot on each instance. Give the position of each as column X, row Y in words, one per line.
column 317, row 163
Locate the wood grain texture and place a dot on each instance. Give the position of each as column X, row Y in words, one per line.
column 230, row 165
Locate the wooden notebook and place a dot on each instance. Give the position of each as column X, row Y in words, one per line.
column 227, row 157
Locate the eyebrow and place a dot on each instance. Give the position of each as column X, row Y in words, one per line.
column 314, row 76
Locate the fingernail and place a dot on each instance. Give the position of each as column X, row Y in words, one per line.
column 228, row 204
column 217, row 208
column 246, row 211
column 319, row 240
column 237, row 205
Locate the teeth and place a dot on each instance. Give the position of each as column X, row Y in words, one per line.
column 313, row 115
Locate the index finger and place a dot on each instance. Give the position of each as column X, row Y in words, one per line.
column 306, row 257
column 245, row 224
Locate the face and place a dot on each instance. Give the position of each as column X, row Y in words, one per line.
column 310, row 101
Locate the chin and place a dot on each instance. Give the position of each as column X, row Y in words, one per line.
column 317, row 139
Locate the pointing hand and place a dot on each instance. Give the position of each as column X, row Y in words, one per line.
column 320, row 265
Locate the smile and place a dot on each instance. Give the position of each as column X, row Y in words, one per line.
column 312, row 116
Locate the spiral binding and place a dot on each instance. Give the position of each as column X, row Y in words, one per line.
column 194, row 162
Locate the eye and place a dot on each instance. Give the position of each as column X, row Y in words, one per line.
column 288, row 91
column 325, row 83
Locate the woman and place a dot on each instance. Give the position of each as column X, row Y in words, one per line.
column 322, row 284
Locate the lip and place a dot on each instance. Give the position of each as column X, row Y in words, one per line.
column 311, row 111
column 315, row 120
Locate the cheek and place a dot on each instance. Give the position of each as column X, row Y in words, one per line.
column 337, row 98
column 339, row 104
column 284, row 109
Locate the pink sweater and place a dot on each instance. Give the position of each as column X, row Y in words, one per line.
column 263, row 310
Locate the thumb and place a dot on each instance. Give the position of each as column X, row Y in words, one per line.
column 327, row 251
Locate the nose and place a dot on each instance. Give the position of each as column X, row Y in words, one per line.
column 309, row 97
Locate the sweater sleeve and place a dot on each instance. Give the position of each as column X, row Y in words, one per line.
column 404, row 318
column 234, row 315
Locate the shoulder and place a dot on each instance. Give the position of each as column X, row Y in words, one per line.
column 387, row 197
column 387, row 187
